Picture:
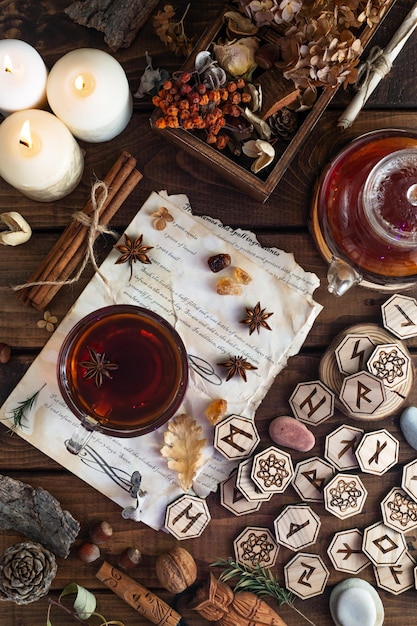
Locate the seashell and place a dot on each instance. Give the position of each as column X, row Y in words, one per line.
column 215, row 77
column 256, row 94
column 203, row 60
column 261, row 127
column 260, row 150
column 18, row 231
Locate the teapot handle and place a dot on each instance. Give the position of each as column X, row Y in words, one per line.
column 341, row 276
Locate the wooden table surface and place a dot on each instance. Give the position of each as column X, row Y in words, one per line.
column 281, row 222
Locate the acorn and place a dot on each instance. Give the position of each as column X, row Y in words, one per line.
column 101, row 532
column 4, row 352
column 88, row 552
column 129, row 558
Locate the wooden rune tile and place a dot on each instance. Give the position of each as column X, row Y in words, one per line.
column 310, row 478
column 396, row 578
column 306, row 575
column 297, row 527
column 272, row 470
column 399, row 510
column 353, row 352
column 312, row 402
column 399, row 316
column 236, row 437
column 362, row 394
column 187, row 517
column 234, row 500
column 377, row 452
column 256, row 546
column 344, row 495
column 383, row 545
column 340, row 447
column 345, row 551
column 409, row 479
column 247, row 486
column 391, row 364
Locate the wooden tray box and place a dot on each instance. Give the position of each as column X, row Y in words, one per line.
column 258, row 187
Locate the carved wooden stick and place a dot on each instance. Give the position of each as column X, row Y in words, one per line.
column 141, row 599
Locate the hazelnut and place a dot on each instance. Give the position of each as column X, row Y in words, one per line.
column 101, row 532
column 129, row 558
column 4, row 352
column 176, row 570
column 88, row 552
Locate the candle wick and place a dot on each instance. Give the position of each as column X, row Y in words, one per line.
column 24, row 143
column 7, row 69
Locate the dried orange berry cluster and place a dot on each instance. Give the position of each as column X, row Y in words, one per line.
column 197, row 107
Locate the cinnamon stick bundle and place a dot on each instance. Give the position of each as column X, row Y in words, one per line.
column 71, row 248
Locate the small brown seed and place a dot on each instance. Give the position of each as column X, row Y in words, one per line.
column 101, row 532
column 88, row 552
column 4, row 352
column 129, row 558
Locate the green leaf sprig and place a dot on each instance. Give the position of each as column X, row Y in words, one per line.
column 258, row 580
column 19, row 412
column 84, row 606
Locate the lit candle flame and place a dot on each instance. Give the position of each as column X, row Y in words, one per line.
column 25, row 136
column 79, row 83
column 8, row 67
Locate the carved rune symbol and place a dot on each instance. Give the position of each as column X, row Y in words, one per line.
column 312, row 478
column 385, row 544
column 348, row 551
column 350, row 445
column 375, row 457
column 306, row 575
column 345, row 495
column 272, row 471
column 257, row 548
column 389, row 366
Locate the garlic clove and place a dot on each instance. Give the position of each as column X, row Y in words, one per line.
column 19, row 230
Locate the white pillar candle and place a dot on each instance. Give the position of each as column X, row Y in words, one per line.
column 23, row 77
column 89, row 91
column 39, row 156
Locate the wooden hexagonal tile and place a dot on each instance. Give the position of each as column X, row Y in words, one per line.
column 353, row 352
column 362, row 394
column 187, row 517
column 345, row 551
column 399, row 510
column 377, row 452
column 247, row 486
column 396, row 578
column 272, row 470
column 306, row 575
column 391, row 364
column 256, row 546
column 383, row 545
column 310, row 478
column 234, row 500
column 312, row 402
column 297, row 527
column 399, row 316
column 341, row 445
column 409, row 479
column 344, row 495
column 236, row 437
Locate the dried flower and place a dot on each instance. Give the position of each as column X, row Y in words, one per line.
column 261, row 151
column 162, row 216
column 237, row 58
column 172, row 33
column 237, row 365
column 48, row 322
column 133, row 251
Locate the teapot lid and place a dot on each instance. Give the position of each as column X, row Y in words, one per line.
column 390, row 198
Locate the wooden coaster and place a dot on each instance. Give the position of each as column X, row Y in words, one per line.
column 383, row 545
column 396, row 578
column 236, row 437
column 399, row 316
column 377, row 452
column 310, row 478
column 399, row 511
column 333, row 378
column 297, row 527
column 341, row 445
column 344, row 495
column 233, row 499
column 345, row 551
column 272, row 470
column 306, row 575
column 187, row 517
column 312, row 402
column 256, row 546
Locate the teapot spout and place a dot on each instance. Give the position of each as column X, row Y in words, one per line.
column 341, row 277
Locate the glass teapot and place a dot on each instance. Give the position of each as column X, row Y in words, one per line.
column 364, row 214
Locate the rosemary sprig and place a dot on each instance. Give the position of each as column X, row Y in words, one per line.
column 19, row 412
column 258, row 580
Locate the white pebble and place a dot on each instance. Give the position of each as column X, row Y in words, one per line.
column 355, row 606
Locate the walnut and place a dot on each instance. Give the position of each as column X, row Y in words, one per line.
column 176, row 570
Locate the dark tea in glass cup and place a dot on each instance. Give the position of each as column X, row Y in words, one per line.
column 123, row 371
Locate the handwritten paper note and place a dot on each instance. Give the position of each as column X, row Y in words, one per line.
column 179, row 286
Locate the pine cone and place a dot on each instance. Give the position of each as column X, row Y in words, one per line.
column 284, row 123
column 26, row 572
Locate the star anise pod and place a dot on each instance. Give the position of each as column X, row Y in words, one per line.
column 256, row 318
column 97, row 368
column 133, row 251
column 237, row 365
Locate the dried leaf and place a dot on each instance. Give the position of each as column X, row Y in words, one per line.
column 183, row 448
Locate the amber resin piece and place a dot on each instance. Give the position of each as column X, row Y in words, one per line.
column 241, row 276
column 218, row 262
column 228, row 287
column 216, row 410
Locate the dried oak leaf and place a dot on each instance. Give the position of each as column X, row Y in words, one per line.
column 183, row 448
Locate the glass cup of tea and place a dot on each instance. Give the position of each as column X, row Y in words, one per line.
column 123, row 371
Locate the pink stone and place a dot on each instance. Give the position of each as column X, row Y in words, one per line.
column 290, row 433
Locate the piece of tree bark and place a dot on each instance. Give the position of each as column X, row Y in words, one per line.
column 37, row 515
column 119, row 20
